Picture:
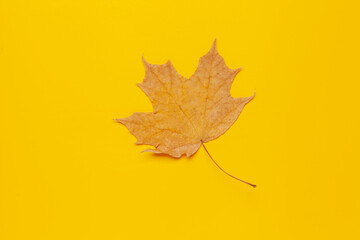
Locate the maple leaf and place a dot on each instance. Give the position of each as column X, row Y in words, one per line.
column 186, row 112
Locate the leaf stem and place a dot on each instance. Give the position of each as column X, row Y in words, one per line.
column 223, row 169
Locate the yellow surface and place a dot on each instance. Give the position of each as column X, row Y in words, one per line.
column 67, row 68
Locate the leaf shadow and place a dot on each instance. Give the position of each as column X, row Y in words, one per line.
column 164, row 157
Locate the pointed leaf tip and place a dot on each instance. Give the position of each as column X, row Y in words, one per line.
column 118, row 120
column 213, row 46
column 144, row 61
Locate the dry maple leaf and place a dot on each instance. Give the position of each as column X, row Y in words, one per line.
column 186, row 112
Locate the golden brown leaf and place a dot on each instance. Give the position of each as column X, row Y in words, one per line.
column 186, row 112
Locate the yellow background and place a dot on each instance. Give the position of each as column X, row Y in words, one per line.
column 67, row 68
